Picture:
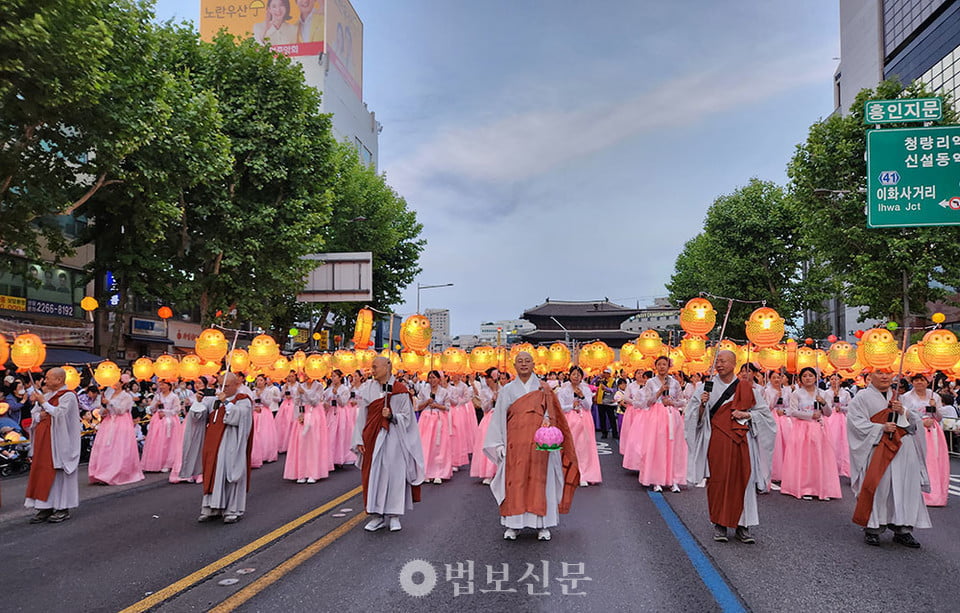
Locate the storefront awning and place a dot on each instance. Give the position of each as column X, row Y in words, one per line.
column 149, row 339
column 73, row 357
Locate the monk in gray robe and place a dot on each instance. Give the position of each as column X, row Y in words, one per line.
column 531, row 486
column 227, row 441
column 888, row 473
column 191, row 464
column 734, row 475
column 53, row 488
column 389, row 452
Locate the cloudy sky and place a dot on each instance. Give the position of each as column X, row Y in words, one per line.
column 569, row 149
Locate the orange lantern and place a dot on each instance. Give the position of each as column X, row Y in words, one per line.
column 698, row 317
column 727, row 345
column 208, row 369
column 393, row 356
column 89, row 304
column 912, row 364
column 345, row 361
column 363, row 328
column 278, row 370
column 211, row 345
column 791, row 348
column 28, row 352
column 239, row 360
column 143, row 368
column 842, row 355
column 558, row 358
column 772, row 358
column 693, row 346
column 626, row 350
column 806, row 358
column 454, row 360
column 521, row 348
column 190, row 367
column 596, row 355
column 939, row 349
column 314, row 367
column 296, row 362
column 638, row 361
column 482, row 358
column 164, row 312
column 72, row 379
column 697, row 366
column 765, row 327
column 4, row 350
column 263, row 351
column 879, row 349
column 649, row 343
column 411, row 361
column 365, row 358
column 166, row 368
column 107, row 374
column 415, row 333
column 677, row 360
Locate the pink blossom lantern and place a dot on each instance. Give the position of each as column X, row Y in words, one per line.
column 548, row 438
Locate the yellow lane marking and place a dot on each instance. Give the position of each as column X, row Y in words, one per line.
column 198, row 576
column 288, row 565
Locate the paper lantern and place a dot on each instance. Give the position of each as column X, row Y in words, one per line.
column 208, row 369
column 765, row 327
column 211, row 345
column 649, row 343
column 454, row 360
column 698, row 317
column 540, row 355
column 826, row 368
column 4, row 350
column 938, row 318
column 166, row 368
column 190, row 367
column 806, row 358
column 521, row 348
column 143, row 368
column 72, row 377
column 772, row 358
column 939, row 349
column 89, row 304
column 626, row 350
column 693, row 346
column 415, row 333
column 365, row 358
column 638, row 361
column 278, row 370
column 912, row 364
column 558, row 358
column 879, row 349
column 482, row 358
column 107, row 374
column 596, row 355
column 164, row 312
column 345, row 361
column 363, row 328
column 239, row 360
column 393, row 356
column 842, row 355
column 296, row 362
column 548, row 438
column 28, row 352
column 699, row 366
column 314, row 367
column 263, row 351
column 411, row 361
column 677, row 360
column 791, row 348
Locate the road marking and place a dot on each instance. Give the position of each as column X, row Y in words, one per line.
column 719, row 588
column 198, row 576
column 287, row 566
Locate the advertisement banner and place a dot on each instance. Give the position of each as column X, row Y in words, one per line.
column 345, row 42
column 184, row 334
column 290, row 27
column 81, row 336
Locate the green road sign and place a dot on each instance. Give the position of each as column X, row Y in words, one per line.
column 902, row 111
column 913, row 177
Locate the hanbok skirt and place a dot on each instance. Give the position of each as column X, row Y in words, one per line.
column 663, row 449
column 308, row 453
column 264, row 438
column 809, row 462
column 585, row 443
column 780, row 445
column 629, row 418
column 836, row 426
column 115, row 458
column 436, row 437
column 284, row 420
column 938, row 467
column 480, row 465
column 640, row 423
column 163, row 445
column 339, row 432
column 463, row 422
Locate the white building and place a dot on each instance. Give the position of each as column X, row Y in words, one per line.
column 660, row 316
column 512, row 328
column 440, row 322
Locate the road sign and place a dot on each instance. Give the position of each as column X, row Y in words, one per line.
column 902, row 111
column 913, row 177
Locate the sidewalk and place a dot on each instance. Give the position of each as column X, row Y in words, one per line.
column 12, row 490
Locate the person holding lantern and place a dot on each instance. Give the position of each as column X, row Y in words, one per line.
column 887, row 470
column 336, row 399
column 264, row 426
column 165, row 432
column 190, row 468
column 487, row 392
column 389, row 452
column 632, row 411
column 115, row 459
column 291, row 390
column 435, row 428
column 308, row 454
column 809, row 461
column 730, row 434
column 659, row 449
column 574, row 398
column 463, row 422
column 53, row 487
column 930, row 408
column 532, row 486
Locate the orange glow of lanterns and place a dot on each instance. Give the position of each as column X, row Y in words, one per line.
column 939, row 349
column 415, row 333
column 28, row 352
column 842, row 355
column 143, row 369
column 345, row 361
column 166, row 368
column 879, row 349
column 164, row 312
column 693, row 346
column 649, row 343
column 698, row 317
column 72, row 377
column 772, row 358
column 363, row 328
column 263, row 351
column 211, row 345
column 765, row 327
column 315, row 367
column 190, row 366
column 558, row 358
column 454, row 360
column 239, row 360
column 482, row 358
column 107, row 374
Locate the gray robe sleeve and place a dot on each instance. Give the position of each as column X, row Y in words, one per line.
column 238, row 415
column 65, row 432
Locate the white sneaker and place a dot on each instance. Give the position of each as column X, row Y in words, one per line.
column 438, row 481
column 394, row 524
column 584, row 484
column 775, row 487
column 301, row 480
column 374, row 524
column 487, row 481
column 456, row 469
column 703, row 483
column 543, row 535
column 311, row 480
column 675, row 488
column 657, row 488
column 510, row 534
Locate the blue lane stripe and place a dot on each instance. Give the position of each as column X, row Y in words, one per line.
column 728, row 601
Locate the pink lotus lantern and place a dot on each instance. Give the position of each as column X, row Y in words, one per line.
column 548, row 438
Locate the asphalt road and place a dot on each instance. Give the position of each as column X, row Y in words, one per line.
column 125, row 547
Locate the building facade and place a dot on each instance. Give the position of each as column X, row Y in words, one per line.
column 440, row 322
column 661, row 316
column 578, row 322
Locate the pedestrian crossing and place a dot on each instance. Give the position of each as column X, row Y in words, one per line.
column 954, row 488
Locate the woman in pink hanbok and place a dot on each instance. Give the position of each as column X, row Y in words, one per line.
column 164, row 442
column 778, row 399
column 285, row 417
column 115, row 459
column 838, row 398
column 632, row 409
column 336, row 400
column 308, row 453
column 809, row 462
column 463, row 420
column 930, row 407
column 575, row 399
column 662, row 447
column 435, row 429
column 265, row 443
column 480, row 465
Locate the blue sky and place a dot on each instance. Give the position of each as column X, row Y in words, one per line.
column 569, row 149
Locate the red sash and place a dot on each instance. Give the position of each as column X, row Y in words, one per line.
column 211, row 444
column 371, row 428
column 882, row 456
column 42, row 471
column 728, row 456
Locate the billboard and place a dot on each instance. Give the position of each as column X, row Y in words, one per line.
column 339, row 277
column 345, row 43
column 290, row 27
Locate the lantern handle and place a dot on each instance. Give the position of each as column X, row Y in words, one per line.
column 236, row 334
column 723, row 329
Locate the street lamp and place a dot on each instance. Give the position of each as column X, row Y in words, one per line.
column 420, row 287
